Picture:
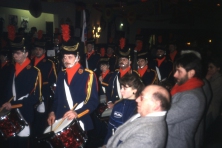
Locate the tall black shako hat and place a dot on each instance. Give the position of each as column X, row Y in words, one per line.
column 104, row 61
column 69, row 45
column 18, row 44
column 49, row 45
column 40, row 43
column 90, row 41
column 124, row 53
column 143, row 55
column 160, row 47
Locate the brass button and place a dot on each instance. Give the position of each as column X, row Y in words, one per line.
column 117, row 96
column 64, row 106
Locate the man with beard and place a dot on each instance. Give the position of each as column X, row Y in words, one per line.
column 76, row 88
column 113, row 90
column 163, row 66
column 24, row 86
column 188, row 102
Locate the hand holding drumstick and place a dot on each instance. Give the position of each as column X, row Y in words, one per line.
column 7, row 105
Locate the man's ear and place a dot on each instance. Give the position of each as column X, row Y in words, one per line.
column 26, row 54
column 191, row 73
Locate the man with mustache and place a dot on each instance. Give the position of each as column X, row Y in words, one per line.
column 162, row 64
column 75, row 85
column 188, row 102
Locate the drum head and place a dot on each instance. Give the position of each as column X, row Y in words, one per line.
column 59, row 125
column 4, row 112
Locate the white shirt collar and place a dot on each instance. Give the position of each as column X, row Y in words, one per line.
column 161, row 113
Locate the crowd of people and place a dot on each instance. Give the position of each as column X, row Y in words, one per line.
column 118, row 96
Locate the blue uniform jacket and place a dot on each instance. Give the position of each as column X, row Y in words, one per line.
column 49, row 76
column 27, row 82
column 121, row 112
column 149, row 77
column 166, row 69
column 105, row 83
column 83, row 87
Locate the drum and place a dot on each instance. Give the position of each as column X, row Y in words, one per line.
column 11, row 123
column 65, row 134
column 103, row 112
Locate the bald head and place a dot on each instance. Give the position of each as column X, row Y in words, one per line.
column 154, row 98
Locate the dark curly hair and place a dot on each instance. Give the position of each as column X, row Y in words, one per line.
column 132, row 80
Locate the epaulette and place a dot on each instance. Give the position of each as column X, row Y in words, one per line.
column 39, row 80
column 136, row 72
column 89, row 84
column 88, row 70
column 53, row 67
column 153, row 70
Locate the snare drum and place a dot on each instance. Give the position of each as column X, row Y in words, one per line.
column 69, row 134
column 103, row 112
column 11, row 123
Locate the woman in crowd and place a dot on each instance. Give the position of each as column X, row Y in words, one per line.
column 131, row 87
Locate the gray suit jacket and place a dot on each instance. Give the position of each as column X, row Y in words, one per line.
column 144, row 132
column 183, row 118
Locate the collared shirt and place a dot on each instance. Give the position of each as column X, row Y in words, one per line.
column 161, row 113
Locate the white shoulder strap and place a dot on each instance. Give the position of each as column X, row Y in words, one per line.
column 68, row 95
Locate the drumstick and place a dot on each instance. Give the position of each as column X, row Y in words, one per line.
column 63, row 119
column 7, row 102
column 16, row 106
column 82, row 113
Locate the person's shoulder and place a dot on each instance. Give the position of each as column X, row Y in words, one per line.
column 85, row 70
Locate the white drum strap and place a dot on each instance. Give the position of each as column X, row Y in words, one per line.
column 68, row 95
column 158, row 73
column 118, row 87
column 13, row 88
column 104, row 89
column 87, row 66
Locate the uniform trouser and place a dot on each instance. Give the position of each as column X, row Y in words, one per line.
column 19, row 142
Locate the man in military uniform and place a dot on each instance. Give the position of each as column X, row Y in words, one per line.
column 113, row 89
column 92, row 57
column 173, row 51
column 146, row 72
column 163, row 66
column 76, row 89
column 48, row 71
column 24, row 87
column 105, row 75
column 113, row 61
